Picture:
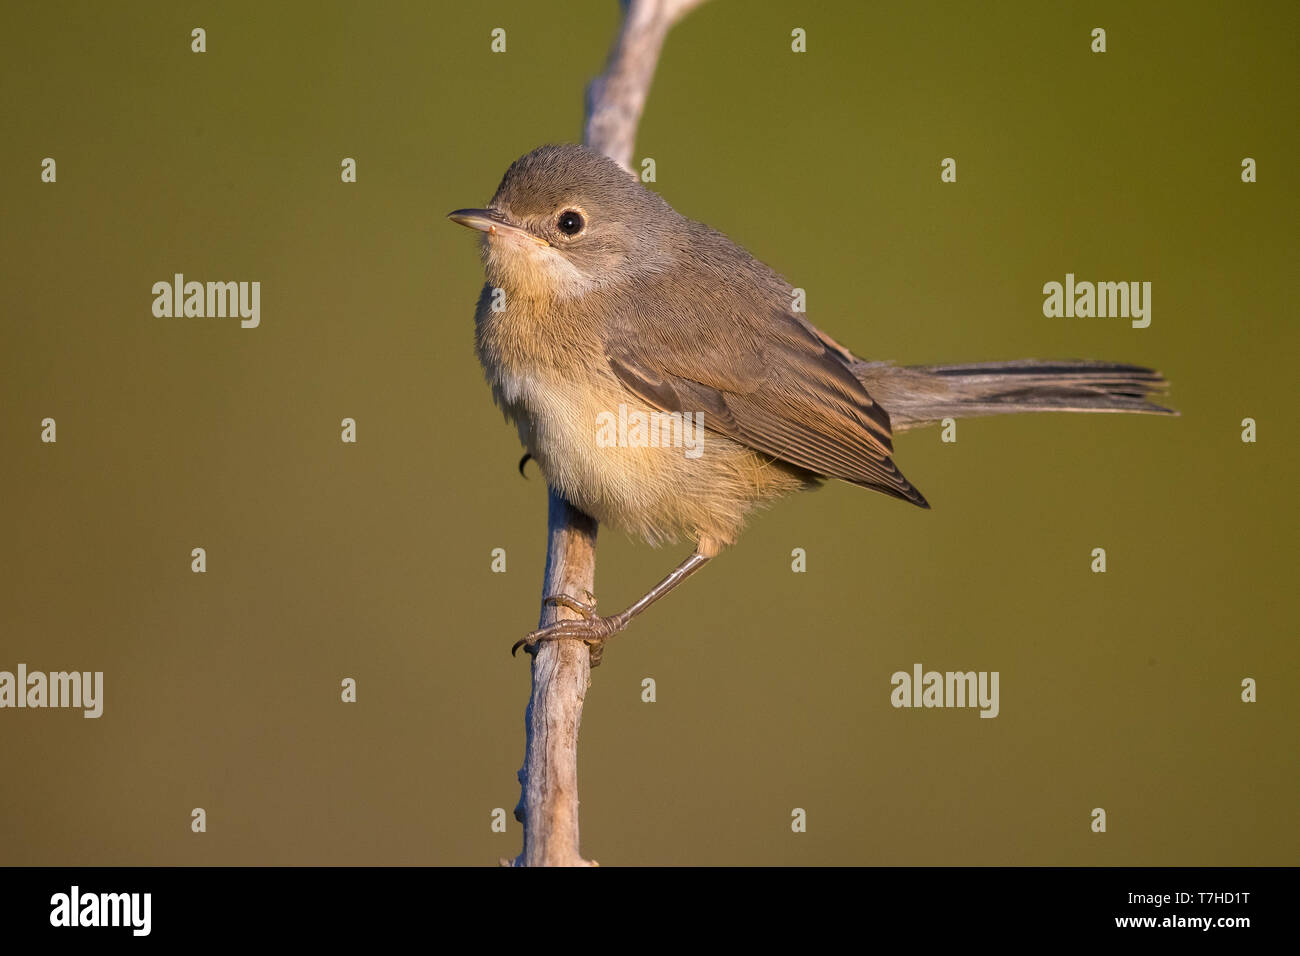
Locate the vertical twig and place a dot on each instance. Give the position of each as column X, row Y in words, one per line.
column 561, row 670
column 616, row 97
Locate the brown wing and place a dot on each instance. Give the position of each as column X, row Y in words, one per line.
column 767, row 381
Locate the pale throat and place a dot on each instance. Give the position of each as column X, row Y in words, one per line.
column 532, row 272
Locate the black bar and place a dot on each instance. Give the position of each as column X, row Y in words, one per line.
column 236, row 904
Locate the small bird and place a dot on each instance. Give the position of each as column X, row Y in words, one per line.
column 664, row 383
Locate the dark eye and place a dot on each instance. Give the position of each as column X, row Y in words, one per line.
column 570, row 223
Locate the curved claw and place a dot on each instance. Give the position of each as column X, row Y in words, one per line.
column 594, row 630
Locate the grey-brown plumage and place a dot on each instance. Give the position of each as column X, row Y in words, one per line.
column 613, row 300
column 925, row 394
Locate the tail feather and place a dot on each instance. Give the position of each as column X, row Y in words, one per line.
column 923, row 394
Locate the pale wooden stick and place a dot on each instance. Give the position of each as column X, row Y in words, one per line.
column 561, row 670
column 616, row 97
column 548, row 797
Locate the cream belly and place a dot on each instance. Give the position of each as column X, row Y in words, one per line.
column 659, row 482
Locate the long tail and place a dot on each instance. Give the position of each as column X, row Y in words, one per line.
column 922, row 394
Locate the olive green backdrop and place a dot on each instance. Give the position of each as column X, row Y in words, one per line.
column 373, row 561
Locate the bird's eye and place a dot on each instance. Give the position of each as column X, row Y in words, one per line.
column 570, row 222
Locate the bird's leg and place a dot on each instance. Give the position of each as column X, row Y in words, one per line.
column 595, row 630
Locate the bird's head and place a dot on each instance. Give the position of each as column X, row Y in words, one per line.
column 566, row 220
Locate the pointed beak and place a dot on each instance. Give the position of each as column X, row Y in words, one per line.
column 493, row 222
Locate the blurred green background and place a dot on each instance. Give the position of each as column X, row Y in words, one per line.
column 372, row 560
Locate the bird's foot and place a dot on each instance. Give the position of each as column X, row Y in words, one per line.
column 591, row 629
column 586, row 608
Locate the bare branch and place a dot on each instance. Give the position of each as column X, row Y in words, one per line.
column 548, row 799
column 616, row 97
column 561, row 670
